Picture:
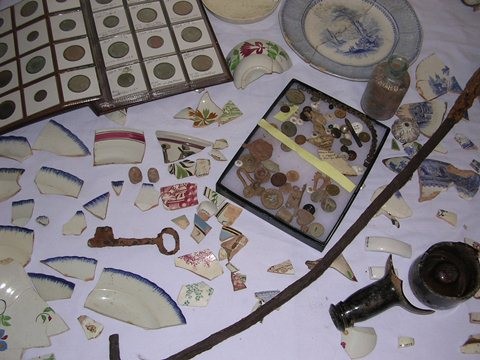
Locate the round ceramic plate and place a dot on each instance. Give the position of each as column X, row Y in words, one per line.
column 348, row 38
column 241, row 12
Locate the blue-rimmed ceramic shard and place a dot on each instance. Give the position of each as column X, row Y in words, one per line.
column 75, row 225
column 200, row 228
column 177, row 146
column 131, row 298
column 22, row 211
column 57, row 139
column 182, row 169
column 57, row 182
column 51, row 287
column 147, row 198
column 9, row 185
column 434, row 78
column 15, row 147
column 43, row 220
column 98, row 206
column 117, row 186
column 17, row 243
column 465, row 142
column 78, row 267
column 427, row 114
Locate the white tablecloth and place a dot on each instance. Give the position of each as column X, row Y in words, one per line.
column 301, row 329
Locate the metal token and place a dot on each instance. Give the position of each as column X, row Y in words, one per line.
column 5, row 77
column 300, row 139
column 40, row 95
column 74, row 53
column 352, row 155
column 261, row 174
column 288, row 128
column 155, row 41
column 32, row 36
column 272, row 198
column 346, row 141
column 182, row 8
column 35, row 64
column 292, row 175
column 125, row 80
column 339, row 113
column 164, row 71
column 79, row 83
column 344, row 129
column 285, row 108
column 67, row 25
column 278, row 179
column 304, row 217
column 3, row 49
column 364, row 137
column 310, row 208
column 285, row 148
column 111, row 21
column 7, row 108
column 328, row 205
column 330, row 106
column 249, row 163
column 118, row 49
column 202, row 62
column 332, row 189
column 29, row 9
column 315, row 229
column 318, row 195
column 295, row 96
column 191, row 34
column 147, row 15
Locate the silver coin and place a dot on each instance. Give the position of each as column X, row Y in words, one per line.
column 202, row 62
column 40, row 95
column 111, row 21
column 5, row 77
column 191, row 34
column 147, row 15
column 32, row 36
column 182, row 8
column 7, row 108
column 67, row 25
column 79, row 83
column 164, row 71
column 118, row 49
column 328, row 205
column 126, row 80
column 35, row 64
column 29, row 8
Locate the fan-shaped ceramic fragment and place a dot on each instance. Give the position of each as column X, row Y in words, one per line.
column 472, row 345
column 91, row 328
column 16, row 243
column 22, row 211
column 75, row 225
column 78, row 267
column 98, row 206
column 427, row 114
column 118, row 146
column 395, row 208
column 59, row 140
column 207, row 111
column 131, row 298
column 51, row 287
column 197, row 294
column 9, row 185
column 57, row 182
column 203, row 263
column 359, row 341
column 117, row 186
column 177, row 146
column 147, row 197
column 15, row 147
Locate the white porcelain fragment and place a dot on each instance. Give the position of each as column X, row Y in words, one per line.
column 448, row 216
column 340, row 264
column 119, row 116
column 472, row 345
column 147, row 198
column 203, row 263
column 98, row 206
column 220, row 144
column 22, row 211
column 217, row 155
column 377, row 272
column 358, row 341
column 285, row 267
column 9, row 185
column 78, row 267
column 57, row 182
column 91, row 328
column 181, row 221
column 76, row 225
column 197, row 294
column 117, row 186
column 405, row 341
column 389, row 245
column 232, row 268
column 395, row 208
column 51, row 287
column 474, row 317
column 50, row 356
column 16, row 243
column 15, row 147
column 43, row 220
column 59, row 140
column 118, row 146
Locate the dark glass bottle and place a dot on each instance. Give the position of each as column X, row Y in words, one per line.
column 386, row 88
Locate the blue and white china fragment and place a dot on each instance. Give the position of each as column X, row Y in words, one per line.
column 75, row 225
column 9, row 184
column 117, row 186
column 465, row 142
column 15, row 147
column 131, row 298
column 98, row 206
column 57, row 139
column 16, row 243
column 57, row 182
column 475, row 164
column 22, row 211
column 51, row 287
column 427, row 114
column 147, row 198
column 77, row 267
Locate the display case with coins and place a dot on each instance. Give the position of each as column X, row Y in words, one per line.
column 304, row 163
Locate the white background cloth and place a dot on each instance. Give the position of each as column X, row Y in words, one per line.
column 301, row 329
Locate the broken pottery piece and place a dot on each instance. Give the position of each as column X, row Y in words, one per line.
column 220, row 144
column 340, row 264
column 405, row 341
column 465, row 142
column 238, row 281
column 405, row 130
column 203, row 263
column 207, row 111
column 448, row 216
column 98, row 206
column 475, row 164
column 119, row 116
column 57, row 182
column 179, row 196
column 222, row 254
column 131, row 298
column 117, row 186
column 51, row 287
column 474, row 317
column 228, row 213
column 181, row 221
column 200, row 229
column 185, row 113
column 22, row 211
column 473, row 243
column 388, row 245
column 57, row 139
column 266, row 296
column 230, row 112
column 377, row 272
column 15, row 147
column 78, row 267
column 50, row 356
column 395, row 145
column 427, row 114
column 147, row 197
column 217, row 155
column 472, row 345
column 206, row 209
column 233, row 245
column 433, row 78
column 16, row 243
column 395, row 208
column 43, row 220
column 9, row 185
column 285, row 267
column 358, row 341
column 91, row 328
column 214, row 196
column 118, row 146
column 197, row 294
column 182, row 169
column 232, row 268
column 412, row 148
column 228, row 232
column 75, row 225
column 202, row 167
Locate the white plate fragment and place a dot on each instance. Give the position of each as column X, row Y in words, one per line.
column 78, row 267
column 98, row 206
column 75, row 225
column 91, row 328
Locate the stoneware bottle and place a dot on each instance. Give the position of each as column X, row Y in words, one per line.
column 386, row 88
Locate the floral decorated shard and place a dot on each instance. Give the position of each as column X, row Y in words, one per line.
column 57, row 182
column 233, row 245
column 91, row 328
column 203, row 263
column 117, row 186
column 405, row 130
column 179, row 196
column 217, row 155
column 177, row 146
column 230, row 112
column 57, row 139
column 15, row 147
column 75, row 225
column 238, row 281
column 427, row 114
column 200, row 229
column 147, row 197
column 197, row 294
column 214, row 196
column 285, row 267
column 448, row 216
column 98, row 206
column 412, row 148
column 182, row 169
column 228, row 213
column 181, row 221
column 22, row 211
column 465, row 142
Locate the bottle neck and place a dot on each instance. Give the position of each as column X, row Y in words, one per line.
column 397, row 66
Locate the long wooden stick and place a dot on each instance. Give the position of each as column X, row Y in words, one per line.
column 462, row 104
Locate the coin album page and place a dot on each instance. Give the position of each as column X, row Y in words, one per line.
column 276, row 174
column 110, row 54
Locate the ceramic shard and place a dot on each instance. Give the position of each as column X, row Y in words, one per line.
column 182, row 169
column 76, row 225
column 285, row 267
column 340, row 264
column 15, row 147
column 228, row 213
column 475, row 165
column 395, row 208
column 358, row 341
column 203, row 263
column 474, row 317
column 51, row 287
column 388, row 245
column 207, row 111
column 200, row 229
column 220, row 144
column 57, row 182
column 98, row 206
column 197, row 294
column 57, row 139
column 147, row 198
column 233, row 245
column 78, row 267
column 405, row 341
column 179, row 196
column 214, row 196
column 448, row 216
column 227, row 232
column 118, row 146
column 119, row 116
column 181, row 221
column 117, row 186
column 230, row 112
column 472, row 345
column 206, row 209
column 43, row 220
column 238, row 281
column 9, row 184
column 91, row 328
column 202, row 167
column 16, row 243
column 427, row 114
column 22, row 211
column 465, row 142
column 232, row 268
column 405, row 130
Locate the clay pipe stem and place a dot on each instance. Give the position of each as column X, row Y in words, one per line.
column 462, row 104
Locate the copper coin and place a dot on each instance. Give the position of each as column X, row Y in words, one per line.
column 300, row 139
column 78, row 83
column 182, row 8
column 315, row 229
column 135, row 175
column 125, row 80
column 40, row 95
column 118, row 49
column 285, row 108
column 153, row 175
column 332, row 189
column 3, row 49
column 278, row 179
column 35, row 64
column 318, row 195
column 191, row 34
column 339, row 113
column 74, row 53
column 295, row 96
column 272, row 199
column 67, row 25
column 364, row 137
column 344, row 148
column 292, row 175
column 5, row 77
column 202, row 62
column 155, row 41
column 288, row 128
column 29, row 8
column 260, row 149
column 164, row 71
column 147, row 15
column 352, row 155
column 32, row 36
column 111, row 21
column 7, row 108
column 328, row 205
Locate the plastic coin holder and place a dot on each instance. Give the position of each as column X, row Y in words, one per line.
column 75, row 53
column 156, row 42
column 147, row 15
column 182, row 10
column 41, row 95
column 67, row 25
column 164, row 72
column 32, row 37
column 111, row 22
column 126, row 80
